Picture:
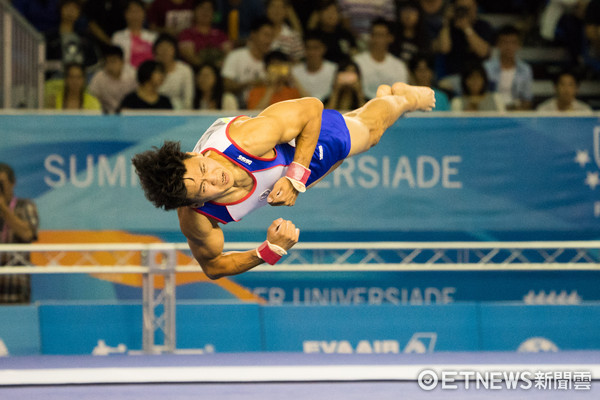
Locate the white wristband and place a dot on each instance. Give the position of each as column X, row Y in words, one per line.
column 277, row 249
column 299, row 186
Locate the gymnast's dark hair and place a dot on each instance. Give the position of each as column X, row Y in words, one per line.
column 161, row 173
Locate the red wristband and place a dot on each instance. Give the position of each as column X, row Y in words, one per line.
column 268, row 255
column 298, row 172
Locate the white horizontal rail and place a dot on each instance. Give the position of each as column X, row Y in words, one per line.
column 454, row 256
column 78, row 269
column 427, row 267
column 136, row 269
column 592, row 244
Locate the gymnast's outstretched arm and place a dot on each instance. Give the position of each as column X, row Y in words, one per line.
column 206, row 241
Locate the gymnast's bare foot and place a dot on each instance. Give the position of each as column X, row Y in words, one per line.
column 419, row 97
column 384, row 90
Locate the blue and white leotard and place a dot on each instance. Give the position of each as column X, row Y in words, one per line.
column 333, row 146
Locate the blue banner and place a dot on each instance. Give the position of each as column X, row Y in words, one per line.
column 76, row 328
column 422, row 287
column 428, row 179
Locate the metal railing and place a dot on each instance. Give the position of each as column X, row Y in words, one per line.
column 161, row 260
column 22, row 59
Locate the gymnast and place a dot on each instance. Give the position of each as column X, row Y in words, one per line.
column 242, row 163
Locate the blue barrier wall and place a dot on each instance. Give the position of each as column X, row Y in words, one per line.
column 231, row 327
column 20, row 330
column 443, row 178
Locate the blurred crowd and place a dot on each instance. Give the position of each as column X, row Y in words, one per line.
column 114, row 55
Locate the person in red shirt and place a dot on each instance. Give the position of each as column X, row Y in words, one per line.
column 170, row 16
column 202, row 42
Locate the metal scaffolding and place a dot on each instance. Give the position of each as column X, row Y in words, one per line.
column 161, row 260
column 22, row 61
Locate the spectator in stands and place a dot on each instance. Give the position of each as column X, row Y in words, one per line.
column 105, row 18
column 245, row 67
column 315, row 74
column 515, row 7
column 561, row 23
column 170, row 16
column 475, row 92
column 179, row 76
column 18, row 224
column 422, row 70
column 286, row 38
column 135, row 41
column 510, row 76
column 565, row 84
column 210, row 90
column 359, row 14
column 44, row 15
column 237, row 18
column 74, row 95
column 327, row 22
column 377, row 66
column 111, row 84
column 304, row 10
column 592, row 33
column 68, row 45
column 464, row 37
column 280, row 84
column 411, row 36
column 433, row 15
column 202, row 42
column 347, row 92
column 150, row 76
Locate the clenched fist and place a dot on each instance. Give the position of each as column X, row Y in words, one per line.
column 283, row 193
column 283, row 234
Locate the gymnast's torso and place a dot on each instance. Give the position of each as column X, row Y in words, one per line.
column 333, row 145
column 263, row 171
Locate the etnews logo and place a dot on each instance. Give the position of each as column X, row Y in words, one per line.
column 505, row 380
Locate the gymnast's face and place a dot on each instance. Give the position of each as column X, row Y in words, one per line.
column 206, row 179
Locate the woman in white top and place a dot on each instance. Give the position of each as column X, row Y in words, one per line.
column 135, row 41
column 475, row 92
column 210, row 92
column 179, row 77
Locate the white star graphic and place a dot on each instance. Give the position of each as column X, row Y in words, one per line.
column 592, row 180
column 582, row 158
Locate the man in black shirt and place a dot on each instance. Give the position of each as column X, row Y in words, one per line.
column 150, row 76
column 592, row 33
column 464, row 37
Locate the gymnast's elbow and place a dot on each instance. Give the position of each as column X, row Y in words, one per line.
column 215, row 269
column 314, row 104
column 212, row 273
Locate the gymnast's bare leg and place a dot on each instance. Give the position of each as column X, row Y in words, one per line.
column 368, row 123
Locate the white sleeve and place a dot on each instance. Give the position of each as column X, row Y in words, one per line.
column 456, row 104
column 94, row 86
column 229, row 71
column 188, row 87
column 402, row 72
column 229, row 102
